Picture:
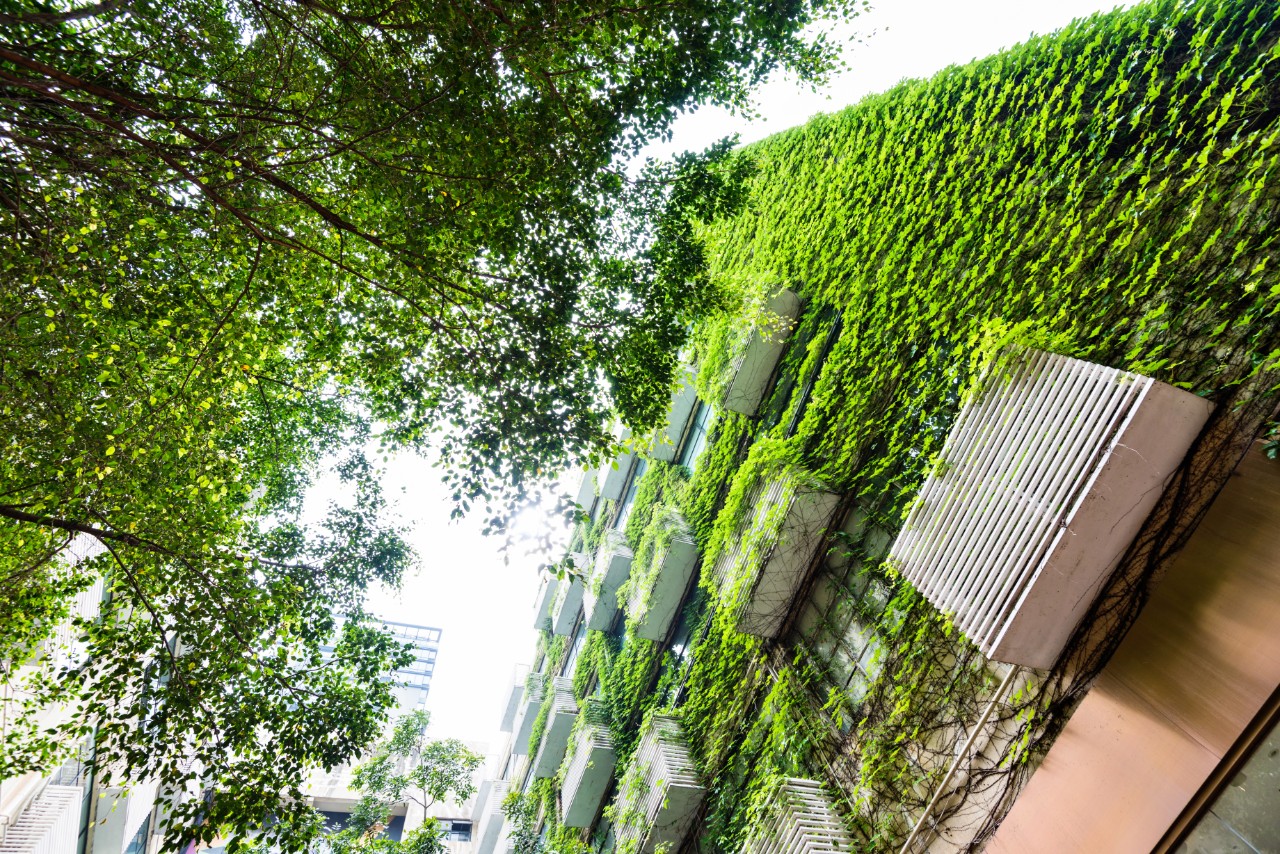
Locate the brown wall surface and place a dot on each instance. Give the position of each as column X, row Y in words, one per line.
column 1200, row 662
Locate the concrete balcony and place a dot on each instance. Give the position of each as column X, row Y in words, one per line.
column 758, row 578
column 667, row 438
column 660, row 794
column 612, row 476
column 560, row 721
column 588, row 770
column 542, row 603
column 655, row 596
column 512, row 704
column 490, row 820
column 1044, row 481
column 799, row 819
column 755, row 364
column 530, row 702
column 568, row 602
column 612, row 566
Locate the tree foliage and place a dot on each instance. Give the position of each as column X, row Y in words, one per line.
column 408, row 768
column 242, row 237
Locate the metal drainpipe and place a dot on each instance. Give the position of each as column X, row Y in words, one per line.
column 955, row 764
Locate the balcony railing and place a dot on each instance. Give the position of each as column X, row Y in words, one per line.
column 656, row 595
column 555, row 737
column 609, row 573
column 1044, row 481
column 755, row 364
column 660, row 794
column 799, row 819
column 588, row 768
column 758, row 578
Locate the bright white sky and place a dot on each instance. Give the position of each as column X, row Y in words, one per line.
column 485, row 607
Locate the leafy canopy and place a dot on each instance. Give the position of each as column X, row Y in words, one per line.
column 238, row 238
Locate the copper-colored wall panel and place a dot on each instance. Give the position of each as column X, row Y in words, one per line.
column 1198, row 665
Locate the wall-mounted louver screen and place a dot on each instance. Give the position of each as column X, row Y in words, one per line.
column 588, row 768
column 758, row 577
column 1046, row 477
column 660, row 793
column 555, row 736
column 608, row 574
column 753, row 367
column 799, row 819
column 49, row 825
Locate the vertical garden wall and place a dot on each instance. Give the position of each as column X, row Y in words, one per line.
column 1110, row 192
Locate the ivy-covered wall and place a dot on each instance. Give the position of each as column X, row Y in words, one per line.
column 1111, row 192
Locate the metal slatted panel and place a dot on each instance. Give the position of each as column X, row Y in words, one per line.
column 799, row 820
column 1025, row 454
column 49, row 825
column 588, row 768
column 661, row 793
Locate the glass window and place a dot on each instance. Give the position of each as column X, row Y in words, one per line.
column 457, row 831
column 695, row 439
column 578, row 640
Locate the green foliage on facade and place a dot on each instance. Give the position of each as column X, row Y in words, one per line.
column 1111, row 192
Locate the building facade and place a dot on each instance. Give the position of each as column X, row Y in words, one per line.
column 959, row 534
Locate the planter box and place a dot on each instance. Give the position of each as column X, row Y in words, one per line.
column 586, row 494
column 612, row 566
column 1044, row 481
column 758, row 578
column 660, row 794
column 588, row 773
column 799, row 819
column 655, row 599
column 755, row 365
column 560, row 720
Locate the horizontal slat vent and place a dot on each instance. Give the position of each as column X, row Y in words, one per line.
column 799, row 819
column 660, row 794
column 588, row 768
column 1041, row 485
